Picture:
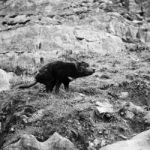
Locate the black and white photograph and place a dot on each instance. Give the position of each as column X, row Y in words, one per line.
column 74, row 74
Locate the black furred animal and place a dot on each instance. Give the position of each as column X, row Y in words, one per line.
column 55, row 73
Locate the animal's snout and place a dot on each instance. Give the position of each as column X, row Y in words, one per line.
column 91, row 70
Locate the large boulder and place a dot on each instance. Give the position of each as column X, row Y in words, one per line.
column 55, row 142
column 4, row 80
column 139, row 142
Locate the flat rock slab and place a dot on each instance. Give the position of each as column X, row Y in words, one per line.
column 139, row 142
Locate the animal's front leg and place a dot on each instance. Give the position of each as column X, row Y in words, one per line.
column 66, row 82
column 50, row 85
column 66, row 86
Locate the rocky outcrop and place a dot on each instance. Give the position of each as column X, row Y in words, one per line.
column 55, row 142
column 59, row 37
column 38, row 25
column 140, row 141
column 4, row 80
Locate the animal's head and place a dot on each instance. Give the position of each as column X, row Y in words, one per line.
column 84, row 69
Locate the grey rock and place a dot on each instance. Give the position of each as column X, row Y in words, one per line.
column 139, row 142
column 4, row 80
column 55, row 142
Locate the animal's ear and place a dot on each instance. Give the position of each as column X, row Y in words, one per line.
column 83, row 64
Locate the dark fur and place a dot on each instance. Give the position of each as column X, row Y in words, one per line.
column 58, row 72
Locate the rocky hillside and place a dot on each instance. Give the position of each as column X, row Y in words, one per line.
column 111, row 105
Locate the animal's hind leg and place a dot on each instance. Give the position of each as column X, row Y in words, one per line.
column 50, row 85
column 57, row 86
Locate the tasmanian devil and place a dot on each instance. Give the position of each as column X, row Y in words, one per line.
column 55, row 73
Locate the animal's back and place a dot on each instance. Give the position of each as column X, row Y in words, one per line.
column 48, row 72
column 66, row 69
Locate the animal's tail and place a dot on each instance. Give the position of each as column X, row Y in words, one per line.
column 27, row 86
